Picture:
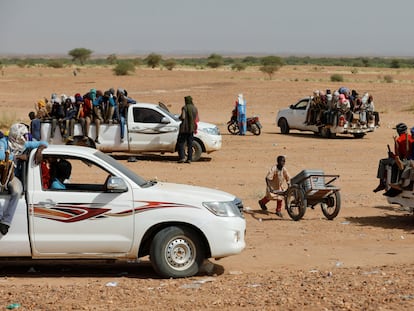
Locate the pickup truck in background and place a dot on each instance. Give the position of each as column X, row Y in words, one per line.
column 294, row 118
column 109, row 212
column 149, row 128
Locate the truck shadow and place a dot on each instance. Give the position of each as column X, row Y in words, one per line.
column 314, row 136
column 153, row 157
column 89, row 269
column 404, row 221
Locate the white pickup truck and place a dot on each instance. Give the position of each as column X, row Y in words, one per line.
column 109, row 212
column 149, row 128
column 294, row 117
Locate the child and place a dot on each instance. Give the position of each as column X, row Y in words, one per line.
column 276, row 179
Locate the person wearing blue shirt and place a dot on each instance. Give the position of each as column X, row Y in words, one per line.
column 18, row 145
column 63, row 171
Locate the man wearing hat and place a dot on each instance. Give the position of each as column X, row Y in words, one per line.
column 402, row 151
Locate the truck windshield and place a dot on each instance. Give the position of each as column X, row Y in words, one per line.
column 130, row 174
column 166, row 111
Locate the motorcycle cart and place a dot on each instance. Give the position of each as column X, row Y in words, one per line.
column 310, row 188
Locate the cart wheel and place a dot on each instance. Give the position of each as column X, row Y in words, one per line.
column 332, row 205
column 295, row 202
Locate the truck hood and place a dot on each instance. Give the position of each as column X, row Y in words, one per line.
column 193, row 195
column 203, row 125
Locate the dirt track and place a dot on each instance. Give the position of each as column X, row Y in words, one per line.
column 361, row 260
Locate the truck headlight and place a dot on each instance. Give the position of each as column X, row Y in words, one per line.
column 210, row 130
column 223, row 209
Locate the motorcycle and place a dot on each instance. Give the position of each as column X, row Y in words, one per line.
column 253, row 125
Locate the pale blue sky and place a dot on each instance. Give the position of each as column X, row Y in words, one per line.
column 294, row 27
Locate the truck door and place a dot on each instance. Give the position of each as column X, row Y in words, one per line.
column 84, row 218
column 299, row 111
column 151, row 130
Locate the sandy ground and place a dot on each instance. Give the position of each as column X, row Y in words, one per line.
column 362, row 260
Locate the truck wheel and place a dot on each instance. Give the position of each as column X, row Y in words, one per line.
column 295, row 202
column 284, row 126
column 176, row 252
column 79, row 141
column 332, row 206
column 255, row 129
column 197, row 151
column 359, row 135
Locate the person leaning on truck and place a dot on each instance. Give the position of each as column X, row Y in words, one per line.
column 188, row 127
column 18, row 145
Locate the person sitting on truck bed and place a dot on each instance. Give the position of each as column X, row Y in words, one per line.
column 18, row 145
column 313, row 110
column 98, row 113
column 402, row 151
column 84, row 114
column 62, row 171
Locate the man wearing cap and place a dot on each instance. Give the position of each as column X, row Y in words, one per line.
column 402, row 151
column 17, row 145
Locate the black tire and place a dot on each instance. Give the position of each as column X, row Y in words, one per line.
column 331, row 206
column 295, row 202
column 176, row 252
column 255, row 129
column 359, row 135
column 197, row 151
column 79, row 141
column 284, row 126
column 233, row 128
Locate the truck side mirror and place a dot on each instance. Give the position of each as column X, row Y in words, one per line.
column 165, row 120
column 116, row 185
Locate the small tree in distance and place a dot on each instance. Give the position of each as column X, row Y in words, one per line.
column 215, row 61
column 153, row 60
column 270, row 64
column 80, row 54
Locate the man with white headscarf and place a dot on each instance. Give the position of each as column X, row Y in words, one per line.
column 18, row 145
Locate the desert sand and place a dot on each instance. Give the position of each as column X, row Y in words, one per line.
column 362, row 260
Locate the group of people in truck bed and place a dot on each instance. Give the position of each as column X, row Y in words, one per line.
column 328, row 108
column 95, row 106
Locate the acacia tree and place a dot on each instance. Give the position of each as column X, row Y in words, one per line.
column 153, row 60
column 270, row 64
column 80, row 54
column 215, row 61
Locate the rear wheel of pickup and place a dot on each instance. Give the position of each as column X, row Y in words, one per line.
column 197, row 151
column 284, row 126
column 176, row 252
column 359, row 135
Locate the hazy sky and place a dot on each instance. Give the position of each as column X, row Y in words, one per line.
column 292, row 27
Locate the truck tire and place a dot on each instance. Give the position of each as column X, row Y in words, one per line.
column 79, row 141
column 284, row 126
column 197, row 151
column 359, row 135
column 176, row 252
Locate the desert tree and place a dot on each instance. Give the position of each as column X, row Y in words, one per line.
column 80, row 54
column 270, row 64
column 215, row 61
column 170, row 64
column 111, row 59
column 153, row 60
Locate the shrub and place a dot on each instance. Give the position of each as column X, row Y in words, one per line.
column 55, row 63
column 388, row 79
column 170, row 64
column 124, row 68
column 337, row 78
column 238, row 66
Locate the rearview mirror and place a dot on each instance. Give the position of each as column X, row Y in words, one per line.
column 116, row 185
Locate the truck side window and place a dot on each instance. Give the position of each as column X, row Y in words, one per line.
column 145, row 115
column 85, row 176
